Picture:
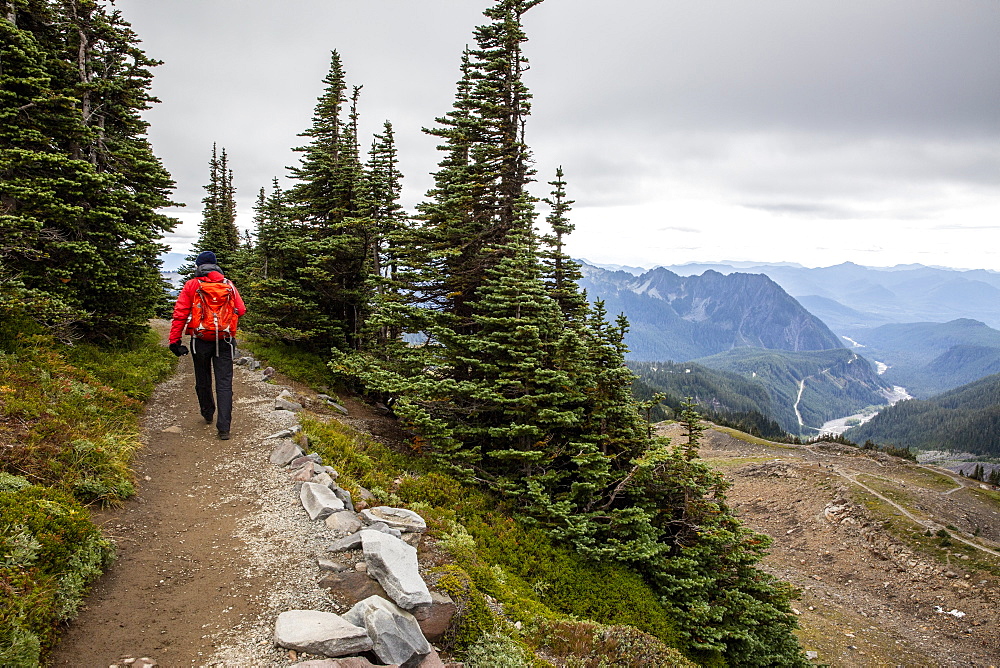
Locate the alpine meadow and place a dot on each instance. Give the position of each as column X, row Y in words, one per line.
column 541, row 461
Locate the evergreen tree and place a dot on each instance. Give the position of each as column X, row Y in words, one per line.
column 479, row 196
column 517, row 383
column 329, row 227
column 314, row 248
column 79, row 184
column 218, row 232
column 562, row 273
column 388, row 243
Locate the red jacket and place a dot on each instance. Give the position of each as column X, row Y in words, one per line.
column 182, row 309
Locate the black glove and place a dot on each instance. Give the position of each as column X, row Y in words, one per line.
column 178, row 349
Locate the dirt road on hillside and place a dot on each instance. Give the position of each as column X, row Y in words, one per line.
column 211, row 548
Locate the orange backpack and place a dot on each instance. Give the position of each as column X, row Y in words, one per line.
column 213, row 312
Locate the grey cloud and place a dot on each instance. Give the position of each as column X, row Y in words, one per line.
column 676, row 228
column 843, row 110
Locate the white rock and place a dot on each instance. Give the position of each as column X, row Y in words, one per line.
column 319, row 632
column 394, row 564
column 395, row 633
column 319, row 501
column 344, row 522
column 397, row 518
column 285, row 452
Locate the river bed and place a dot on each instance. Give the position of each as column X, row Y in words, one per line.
column 840, row 425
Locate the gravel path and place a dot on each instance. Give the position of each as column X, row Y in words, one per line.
column 211, row 549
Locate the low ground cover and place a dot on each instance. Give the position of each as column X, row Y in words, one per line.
column 69, row 427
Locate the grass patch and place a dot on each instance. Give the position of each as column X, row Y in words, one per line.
column 988, row 495
column 304, row 367
column 939, row 547
column 731, row 463
column 931, row 480
column 69, row 417
column 890, row 490
column 747, row 438
column 132, row 369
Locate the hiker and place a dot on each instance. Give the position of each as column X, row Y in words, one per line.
column 208, row 308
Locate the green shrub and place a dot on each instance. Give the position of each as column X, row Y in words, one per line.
column 590, row 645
column 495, row 650
column 49, row 553
column 474, row 618
column 567, row 583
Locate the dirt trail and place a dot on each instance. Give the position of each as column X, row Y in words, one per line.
column 181, row 569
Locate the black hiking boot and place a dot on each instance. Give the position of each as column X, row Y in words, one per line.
column 208, row 418
column 223, row 435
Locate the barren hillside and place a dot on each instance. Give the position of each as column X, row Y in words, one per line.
column 898, row 563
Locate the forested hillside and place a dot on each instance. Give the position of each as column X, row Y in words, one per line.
column 462, row 319
column 928, row 358
column 966, row 419
column 724, row 397
column 821, row 385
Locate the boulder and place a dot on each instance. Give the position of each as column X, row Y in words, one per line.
column 286, row 405
column 319, row 501
column 304, row 473
column 313, row 457
column 350, row 587
column 344, row 522
column 348, row 662
column 394, row 564
column 341, row 493
column 337, row 407
column 397, row 518
column 432, row 660
column 330, row 565
column 395, row 634
column 325, row 480
column 319, row 632
column 385, row 528
column 285, row 452
column 284, row 433
column 437, row 618
column 347, row 543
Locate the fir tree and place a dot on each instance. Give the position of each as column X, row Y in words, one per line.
column 479, row 196
column 562, row 273
column 316, row 249
column 79, row 184
column 218, row 232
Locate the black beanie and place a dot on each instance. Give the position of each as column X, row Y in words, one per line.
column 208, row 257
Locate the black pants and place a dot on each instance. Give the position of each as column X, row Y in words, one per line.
column 207, row 357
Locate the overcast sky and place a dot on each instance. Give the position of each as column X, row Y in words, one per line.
column 769, row 130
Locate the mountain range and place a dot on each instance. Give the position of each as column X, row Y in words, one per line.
column 849, row 297
column 726, row 324
column 679, row 318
